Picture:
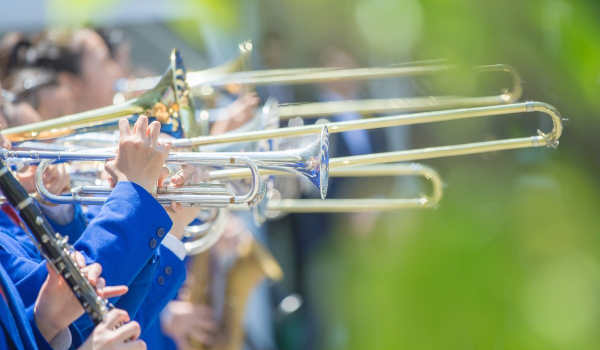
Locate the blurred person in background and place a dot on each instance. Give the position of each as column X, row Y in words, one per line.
column 40, row 89
column 274, row 54
column 80, row 59
column 310, row 232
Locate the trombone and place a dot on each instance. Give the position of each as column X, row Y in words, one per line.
column 384, row 122
column 374, row 106
column 207, row 234
column 549, row 139
column 367, row 204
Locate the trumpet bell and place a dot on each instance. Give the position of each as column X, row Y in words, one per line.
column 312, row 162
column 170, row 102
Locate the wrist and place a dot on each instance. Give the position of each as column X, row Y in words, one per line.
column 48, row 331
column 177, row 230
column 143, row 184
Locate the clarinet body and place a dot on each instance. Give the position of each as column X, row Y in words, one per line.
column 53, row 246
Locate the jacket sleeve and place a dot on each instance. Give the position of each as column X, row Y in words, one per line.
column 161, row 280
column 124, row 237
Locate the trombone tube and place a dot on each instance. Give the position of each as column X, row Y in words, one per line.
column 316, row 75
column 212, row 232
column 375, row 106
column 550, row 139
column 368, row 204
column 382, row 122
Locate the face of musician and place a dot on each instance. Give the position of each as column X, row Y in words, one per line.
column 55, row 101
column 24, row 114
column 93, row 86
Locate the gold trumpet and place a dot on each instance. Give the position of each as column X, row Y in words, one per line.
column 170, row 102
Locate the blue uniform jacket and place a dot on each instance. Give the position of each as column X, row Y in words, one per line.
column 124, row 239
column 17, row 325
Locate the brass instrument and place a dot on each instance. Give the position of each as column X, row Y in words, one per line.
column 311, row 162
column 374, row 106
column 366, row 204
column 204, row 236
column 542, row 139
column 254, row 263
column 170, row 102
column 249, row 264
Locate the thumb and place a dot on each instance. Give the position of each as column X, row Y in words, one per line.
column 164, row 172
column 109, row 167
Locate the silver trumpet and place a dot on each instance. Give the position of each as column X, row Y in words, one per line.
column 203, row 194
column 311, row 162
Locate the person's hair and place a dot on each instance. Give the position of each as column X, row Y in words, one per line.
column 113, row 38
column 25, row 84
column 51, row 50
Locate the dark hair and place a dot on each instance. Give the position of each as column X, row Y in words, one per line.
column 26, row 83
column 44, row 51
column 113, row 38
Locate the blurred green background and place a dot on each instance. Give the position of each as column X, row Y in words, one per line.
column 511, row 258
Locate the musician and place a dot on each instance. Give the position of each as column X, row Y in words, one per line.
column 80, row 58
column 45, row 324
column 40, row 89
column 129, row 255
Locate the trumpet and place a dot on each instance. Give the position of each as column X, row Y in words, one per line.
column 204, row 194
column 171, row 102
column 311, row 162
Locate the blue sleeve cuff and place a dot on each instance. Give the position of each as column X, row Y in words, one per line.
column 39, row 338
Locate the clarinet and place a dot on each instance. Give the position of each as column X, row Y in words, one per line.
column 54, row 247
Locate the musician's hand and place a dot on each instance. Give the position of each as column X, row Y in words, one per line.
column 106, row 335
column 190, row 322
column 181, row 216
column 57, row 307
column 239, row 113
column 140, row 156
column 56, row 179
